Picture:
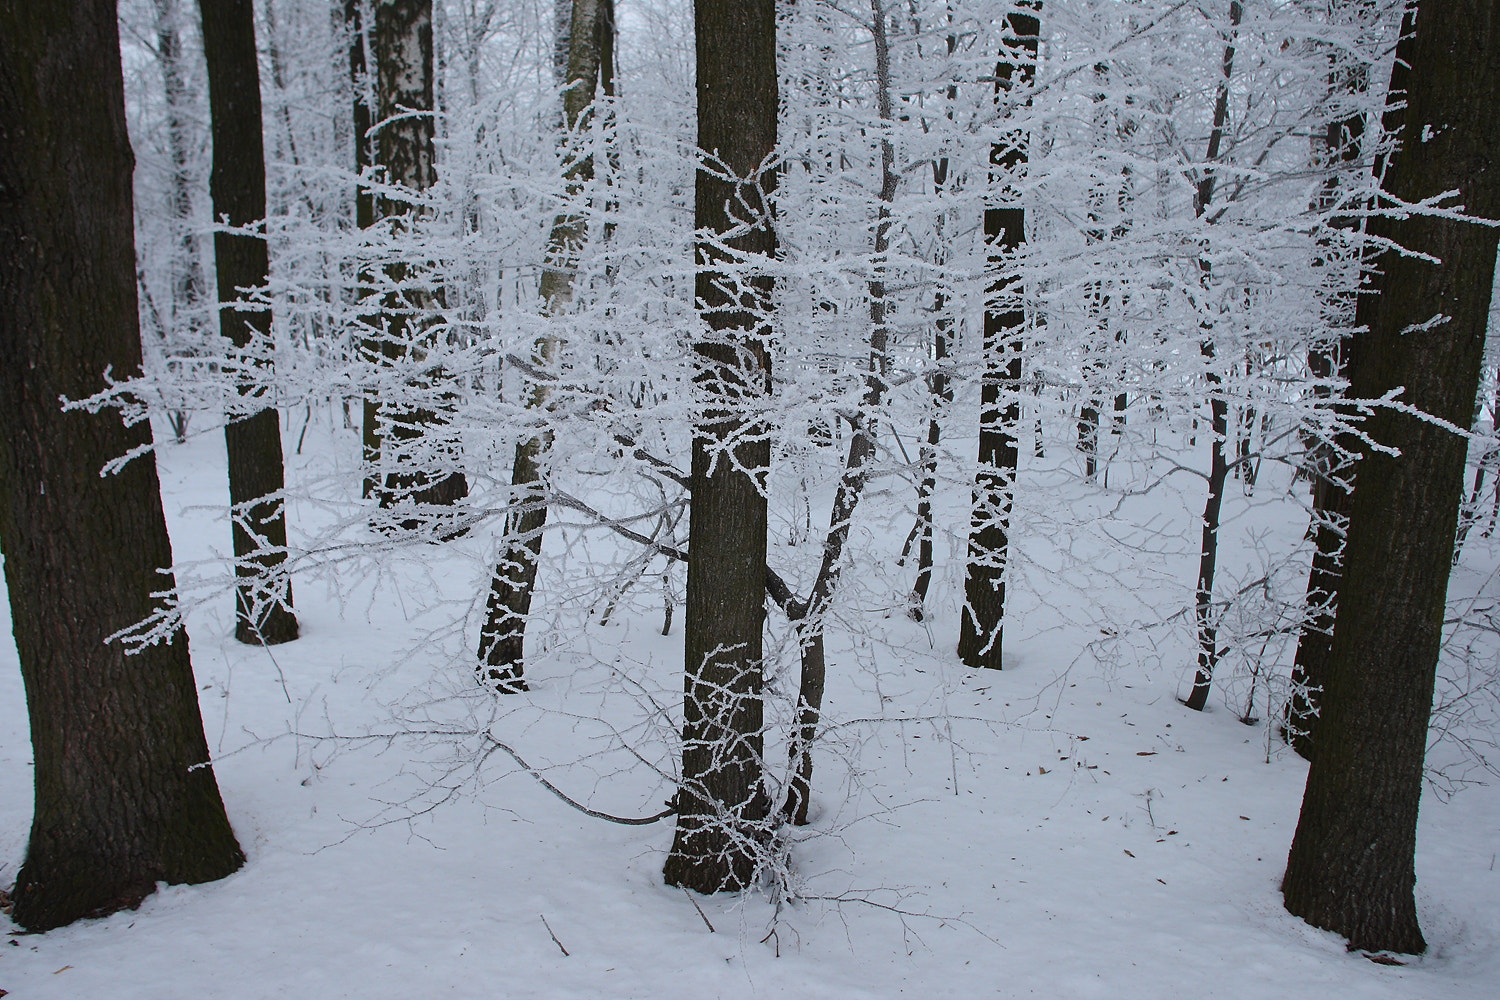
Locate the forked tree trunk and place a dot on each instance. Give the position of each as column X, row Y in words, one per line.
column 1350, row 869
column 722, row 806
column 125, row 794
column 979, row 636
column 263, row 598
column 502, row 637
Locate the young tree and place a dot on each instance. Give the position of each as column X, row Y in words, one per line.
column 1351, row 869
column 1218, row 406
column 979, row 637
column 125, row 794
column 502, row 637
column 237, row 183
column 722, row 804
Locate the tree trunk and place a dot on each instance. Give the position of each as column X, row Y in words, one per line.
column 809, row 617
column 1218, row 407
column 263, row 598
column 722, row 804
column 187, row 268
column 502, row 638
column 1350, row 869
column 979, row 636
column 1218, row 472
column 357, row 20
column 940, row 394
column 404, row 150
column 125, row 795
column 1333, row 475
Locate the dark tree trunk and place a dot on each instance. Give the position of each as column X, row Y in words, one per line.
column 1218, row 407
column 263, row 599
column 979, row 636
column 809, row 617
column 941, row 396
column 722, row 804
column 1351, row 869
column 1208, row 552
column 125, row 796
column 502, row 637
column 361, row 86
column 187, row 268
column 403, row 438
column 1332, row 471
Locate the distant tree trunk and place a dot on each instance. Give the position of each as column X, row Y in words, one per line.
column 722, row 806
column 263, row 599
column 1331, row 467
column 357, row 19
column 979, row 636
column 1218, row 408
column 502, row 637
column 188, row 286
column 125, row 794
column 404, row 150
column 1351, row 868
column 940, row 393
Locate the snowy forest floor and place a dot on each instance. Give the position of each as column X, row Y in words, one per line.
column 1047, row 830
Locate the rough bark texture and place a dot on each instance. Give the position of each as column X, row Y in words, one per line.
column 979, row 633
column 502, row 638
column 1351, row 869
column 124, row 793
column 237, row 183
column 1332, row 466
column 404, row 150
column 722, row 804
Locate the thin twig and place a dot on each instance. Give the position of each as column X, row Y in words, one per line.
column 710, row 926
column 554, row 937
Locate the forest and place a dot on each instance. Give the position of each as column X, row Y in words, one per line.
column 620, row 497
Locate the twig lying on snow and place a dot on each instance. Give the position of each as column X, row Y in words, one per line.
column 554, row 937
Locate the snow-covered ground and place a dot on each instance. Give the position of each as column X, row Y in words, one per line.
column 1055, row 830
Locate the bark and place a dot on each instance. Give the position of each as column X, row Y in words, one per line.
column 187, row 268
column 263, row 597
column 1350, row 869
column 1333, row 474
column 358, row 22
column 125, row 796
column 502, row 637
column 1218, row 407
column 979, row 637
column 400, row 438
column 722, row 805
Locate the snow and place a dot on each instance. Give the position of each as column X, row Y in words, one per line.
column 1057, row 832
